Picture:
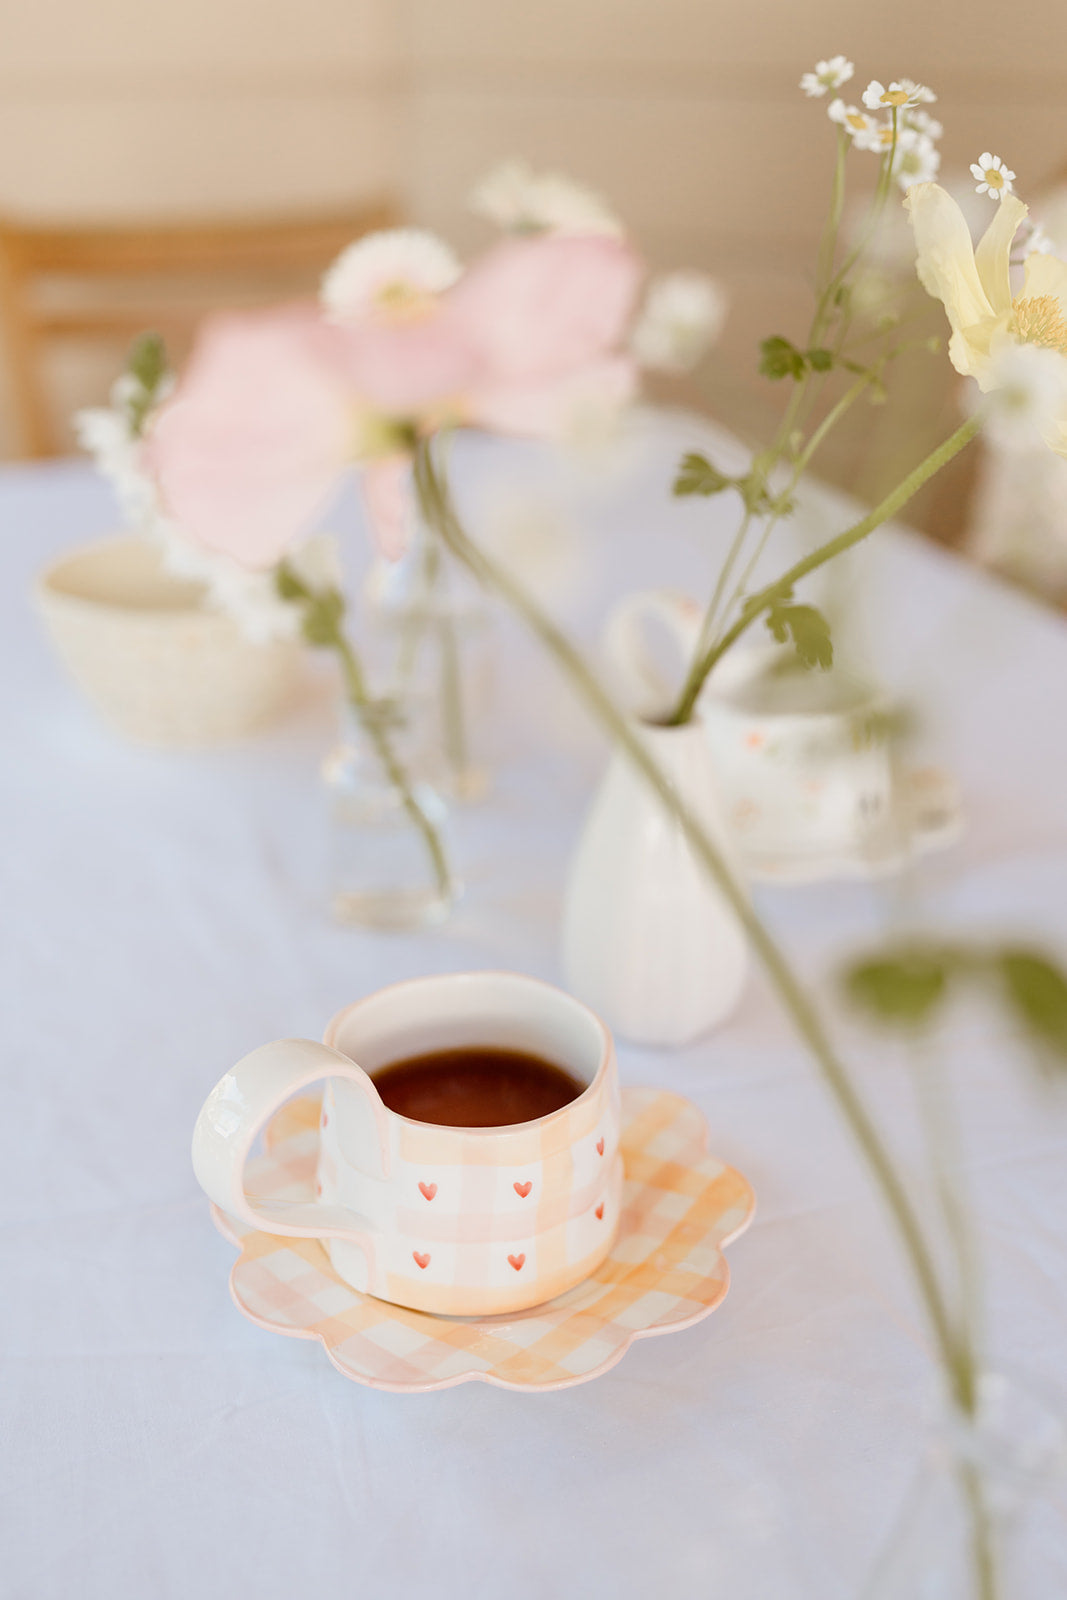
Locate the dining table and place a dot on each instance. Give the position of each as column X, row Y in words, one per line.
column 167, row 910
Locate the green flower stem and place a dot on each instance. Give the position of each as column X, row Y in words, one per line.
column 438, row 511
column 374, row 727
column 882, row 512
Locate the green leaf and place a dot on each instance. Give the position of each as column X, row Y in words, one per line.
column 808, row 628
column 288, row 585
column 1037, row 992
column 779, row 358
column 820, row 360
column 901, row 990
column 696, row 475
column 148, row 361
column 322, row 617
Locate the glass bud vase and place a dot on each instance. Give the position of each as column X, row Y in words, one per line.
column 390, row 867
column 430, row 636
column 980, row 1521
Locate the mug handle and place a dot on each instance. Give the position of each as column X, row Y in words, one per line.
column 645, row 689
column 241, row 1104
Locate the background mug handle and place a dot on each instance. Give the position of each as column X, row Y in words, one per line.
column 238, row 1108
column 648, row 686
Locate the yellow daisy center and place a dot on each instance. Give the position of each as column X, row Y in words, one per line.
column 896, row 97
column 1040, row 320
column 856, row 120
column 994, row 178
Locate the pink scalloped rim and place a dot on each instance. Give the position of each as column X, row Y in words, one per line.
column 681, row 1209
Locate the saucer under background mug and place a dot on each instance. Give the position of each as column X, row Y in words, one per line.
column 465, row 1221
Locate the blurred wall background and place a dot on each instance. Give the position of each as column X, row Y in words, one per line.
column 685, row 113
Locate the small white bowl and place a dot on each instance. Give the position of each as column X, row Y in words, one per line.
column 147, row 653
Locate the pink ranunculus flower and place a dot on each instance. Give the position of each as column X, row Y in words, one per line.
column 250, row 451
column 542, row 307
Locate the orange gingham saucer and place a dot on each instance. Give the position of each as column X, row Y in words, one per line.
column 665, row 1271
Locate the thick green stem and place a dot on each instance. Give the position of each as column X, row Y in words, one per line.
column 882, row 512
column 374, row 727
column 437, row 509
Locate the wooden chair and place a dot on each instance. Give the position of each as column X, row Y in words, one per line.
column 116, row 282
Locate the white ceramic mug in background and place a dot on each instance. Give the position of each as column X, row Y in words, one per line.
column 151, row 657
column 457, row 1221
column 802, row 759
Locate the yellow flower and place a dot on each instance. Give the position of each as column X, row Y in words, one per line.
column 974, row 285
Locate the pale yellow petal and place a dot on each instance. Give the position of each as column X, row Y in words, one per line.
column 1045, row 275
column 946, row 267
column 993, row 255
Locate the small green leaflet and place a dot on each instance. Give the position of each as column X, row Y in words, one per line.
column 808, row 628
column 780, row 358
column 696, row 475
column 322, row 617
column 1037, row 993
column 147, row 363
column 901, row 990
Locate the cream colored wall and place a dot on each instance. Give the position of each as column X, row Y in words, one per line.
column 685, row 112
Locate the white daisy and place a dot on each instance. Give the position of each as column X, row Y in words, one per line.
column 1028, row 396
column 859, row 125
column 827, row 75
column 392, row 275
column 923, row 122
column 518, row 200
column 916, row 161
column 1033, row 240
column 900, row 93
column 991, row 176
column 682, row 315
column 920, row 94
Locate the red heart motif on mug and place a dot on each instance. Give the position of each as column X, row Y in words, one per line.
column 600, row 1147
column 513, row 1261
column 428, row 1190
column 599, row 1212
column 420, row 1261
column 522, row 1189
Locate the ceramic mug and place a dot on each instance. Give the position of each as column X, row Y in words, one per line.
column 456, row 1221
column 803, row 759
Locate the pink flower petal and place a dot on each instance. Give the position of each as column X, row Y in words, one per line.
column 405, row 368
column 557, row 408
column 539, row 307
column 251, row 449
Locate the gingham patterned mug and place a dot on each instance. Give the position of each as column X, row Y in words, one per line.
column 458, row 1221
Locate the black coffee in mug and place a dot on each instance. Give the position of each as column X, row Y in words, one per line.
column 475, row 1086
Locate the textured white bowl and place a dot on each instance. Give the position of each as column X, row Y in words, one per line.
column 148, row 655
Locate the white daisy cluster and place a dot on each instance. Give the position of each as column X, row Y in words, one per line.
column 519, row 200
column 397, row 273
column 827, row 75
column 1028, row 396
column 870, row 125
column 113, row 436
column 681, row 318
column 991, row 176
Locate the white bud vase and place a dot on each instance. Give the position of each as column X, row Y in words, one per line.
column 649, row 942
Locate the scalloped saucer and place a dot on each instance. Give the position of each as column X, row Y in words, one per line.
column 928, row 816
column 665, row 1272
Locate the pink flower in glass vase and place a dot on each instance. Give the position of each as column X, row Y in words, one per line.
column 547, row 316
column 276, row 405
column 250, row 451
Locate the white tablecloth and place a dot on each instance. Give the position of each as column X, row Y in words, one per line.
column 163, row 914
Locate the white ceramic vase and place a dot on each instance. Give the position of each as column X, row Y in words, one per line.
column 649, row 942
